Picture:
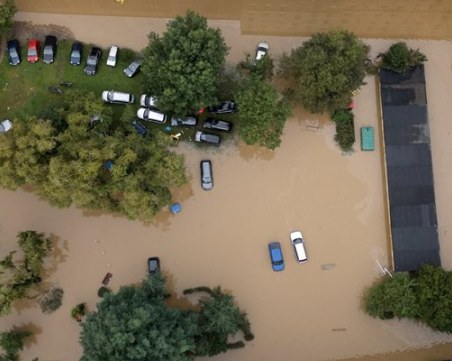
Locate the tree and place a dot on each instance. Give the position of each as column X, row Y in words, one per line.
column 136, row 324
column 7, row 11
column 400, row 58
column 20, row 277
column 325, row 70
column 425, row 296
column 182, row 66
column 12, row 343
column 345, row 129
column 262, row 113
column 51, row 300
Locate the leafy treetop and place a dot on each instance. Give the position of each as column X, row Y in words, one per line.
column 400, row 58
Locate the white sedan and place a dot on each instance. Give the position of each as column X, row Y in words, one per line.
column 261, row 51
column 5, row 126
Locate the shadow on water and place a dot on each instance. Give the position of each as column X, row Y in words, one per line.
column 174, row 300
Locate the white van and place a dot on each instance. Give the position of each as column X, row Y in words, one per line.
column 113, row 96
column 151, row 115
column 298, row 246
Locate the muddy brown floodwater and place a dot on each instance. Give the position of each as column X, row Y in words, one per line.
column 308, row 312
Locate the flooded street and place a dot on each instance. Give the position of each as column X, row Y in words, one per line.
column 308, row 312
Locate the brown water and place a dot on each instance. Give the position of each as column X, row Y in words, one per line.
column 220, row 238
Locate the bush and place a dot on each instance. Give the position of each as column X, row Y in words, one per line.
column 52, row 300
column 400, row 58
column 102, row 291
column 78, row 312
column 345, row 129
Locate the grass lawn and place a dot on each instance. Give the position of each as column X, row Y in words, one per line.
column 24, row 88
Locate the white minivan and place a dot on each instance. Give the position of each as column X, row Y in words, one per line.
column 298, row 245
column 151, row 115
column 113, row 96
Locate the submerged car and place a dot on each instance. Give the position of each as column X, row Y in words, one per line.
column 153, row 265
column 225, row 107
column 33, row 50
column 276, row 256
column 140, row 128
column 206, row 175
column 203, row 137
column 92, row 61
column 216, row 124
column 133, row 68
column 49, row 51
column 76, row 54
column 261, row 51
column 13, row 47
column 188, row 121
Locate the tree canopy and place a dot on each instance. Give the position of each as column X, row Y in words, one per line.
column 65, row 160
column 263, row 112
column 325, row 70
column 400, row 58
column 18, row 277
column 182, row 67
column 7, row 11
column 136, row 324
column 425, row 297
column 12, row 343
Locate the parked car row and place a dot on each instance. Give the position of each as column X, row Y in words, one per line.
column 75, row 57
column 276, row 256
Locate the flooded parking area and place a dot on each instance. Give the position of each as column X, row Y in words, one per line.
column 309, row 311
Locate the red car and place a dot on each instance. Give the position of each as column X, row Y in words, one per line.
column 33, row 50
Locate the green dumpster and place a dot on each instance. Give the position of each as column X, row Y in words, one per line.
column 367, row 138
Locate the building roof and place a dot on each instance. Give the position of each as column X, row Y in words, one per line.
column 411, row 191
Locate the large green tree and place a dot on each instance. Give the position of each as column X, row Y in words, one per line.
column 12, row 343
column 400, row 58
column 19, row 277
column 425, row 296
column 182, row 66
column 325, row 70
column 263, row 112
column 7, row 11
column 136, row 324
column 84, row 156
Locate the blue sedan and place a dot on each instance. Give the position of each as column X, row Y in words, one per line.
column 276, row 256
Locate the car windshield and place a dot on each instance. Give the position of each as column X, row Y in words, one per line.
column 13, row 53
column 48, row 51
column 76, row 55
column 91, row 60
column 32, row 52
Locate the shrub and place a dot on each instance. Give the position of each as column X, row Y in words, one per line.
column 345, row 129
column 102, row 291
column 52, row 300
column 400, row 58
column 78, row 312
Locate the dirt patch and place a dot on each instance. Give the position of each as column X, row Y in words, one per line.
column 27, row 30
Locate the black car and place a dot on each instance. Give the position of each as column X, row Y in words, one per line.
column 49, row 50
column 207, row 138
column 187, row 121
column 133, row 68
column 225, row 107
column 153, row 265
column 216, row 124
column 92, row 61
column 13, row 51
column 76, row 54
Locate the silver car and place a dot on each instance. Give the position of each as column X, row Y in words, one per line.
column 206, row 175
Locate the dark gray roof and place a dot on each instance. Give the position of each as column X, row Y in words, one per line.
column 409, row 170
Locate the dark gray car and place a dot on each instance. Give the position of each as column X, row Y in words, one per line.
column 49, row 51
column 13, row 52
column 207, row 138
column 93, row 61
column 187, row 121
column 76, row 54
column 217, row 124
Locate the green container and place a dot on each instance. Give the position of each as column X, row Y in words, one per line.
column 367, row 138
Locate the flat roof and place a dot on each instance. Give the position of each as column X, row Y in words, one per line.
column 411, row 193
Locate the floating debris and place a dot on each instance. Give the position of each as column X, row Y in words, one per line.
column 328, row 266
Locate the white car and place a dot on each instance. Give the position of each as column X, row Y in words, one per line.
column 298, row 245
column 5, row 126
column 112, row 56
column 261, row 51
column 151, row 115
column 148, row 101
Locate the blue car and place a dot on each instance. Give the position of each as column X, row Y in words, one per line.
column 276, row 256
